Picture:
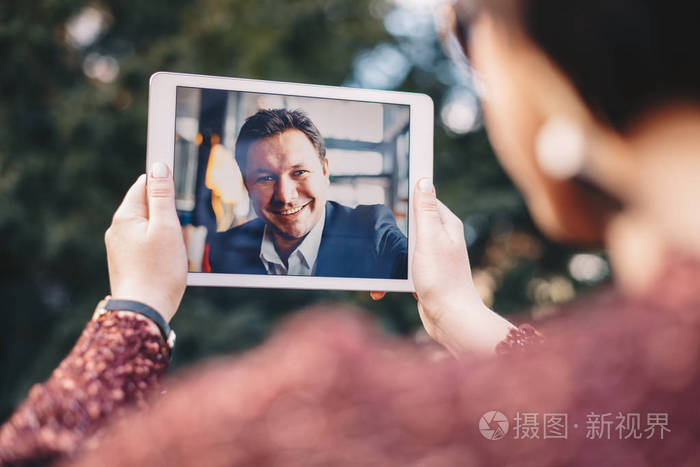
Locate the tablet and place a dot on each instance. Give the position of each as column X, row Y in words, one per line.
column 285, row 185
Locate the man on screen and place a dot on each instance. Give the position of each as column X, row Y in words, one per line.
column 282, row 157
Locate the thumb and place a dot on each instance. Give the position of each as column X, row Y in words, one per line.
column 134, row 202
column 428, row 220
column 161, row 195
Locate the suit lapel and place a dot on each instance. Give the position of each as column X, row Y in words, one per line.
column 325, row 259
column 344, row 251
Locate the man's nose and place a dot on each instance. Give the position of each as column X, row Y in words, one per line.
column 285, row 190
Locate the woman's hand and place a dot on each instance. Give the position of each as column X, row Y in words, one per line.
column 145, row 250
column 448, row 303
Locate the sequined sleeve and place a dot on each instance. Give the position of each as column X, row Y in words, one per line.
column 520, row 339
column 116, row 363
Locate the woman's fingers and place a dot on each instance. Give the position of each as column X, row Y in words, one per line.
column 427, row 210
column 146, row 259
column 161, row 197
column 377, row 295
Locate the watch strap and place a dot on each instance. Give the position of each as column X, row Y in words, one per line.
column 145, row 310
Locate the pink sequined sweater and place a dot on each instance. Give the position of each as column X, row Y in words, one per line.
column 616, row 383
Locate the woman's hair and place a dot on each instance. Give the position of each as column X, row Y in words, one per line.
column 625, row 57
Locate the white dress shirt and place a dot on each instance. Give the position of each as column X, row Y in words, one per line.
column 302, row 261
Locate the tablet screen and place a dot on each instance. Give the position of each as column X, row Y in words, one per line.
column 287, row 185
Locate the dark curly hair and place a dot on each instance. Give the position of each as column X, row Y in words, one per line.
column 625, row 57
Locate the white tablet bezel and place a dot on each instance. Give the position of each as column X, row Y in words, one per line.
column 161, row 147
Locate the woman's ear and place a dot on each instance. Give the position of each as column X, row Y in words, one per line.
column 524, row 90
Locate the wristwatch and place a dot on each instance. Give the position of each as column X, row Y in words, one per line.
column 109, row 304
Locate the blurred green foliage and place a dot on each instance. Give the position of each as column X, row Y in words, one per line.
column 70, row 146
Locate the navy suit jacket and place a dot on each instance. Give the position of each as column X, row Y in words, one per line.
column 360, row 242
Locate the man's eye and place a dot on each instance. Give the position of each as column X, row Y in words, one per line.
column 300, row 172
column 265, row 178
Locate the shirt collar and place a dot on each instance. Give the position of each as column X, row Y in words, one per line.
column 307, row 249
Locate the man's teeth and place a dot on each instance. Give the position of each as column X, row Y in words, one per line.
column 291, row 211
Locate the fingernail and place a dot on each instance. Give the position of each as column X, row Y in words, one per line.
column 159, row 170
column 425, row 185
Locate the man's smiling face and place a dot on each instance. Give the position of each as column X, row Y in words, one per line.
column 287, row 183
